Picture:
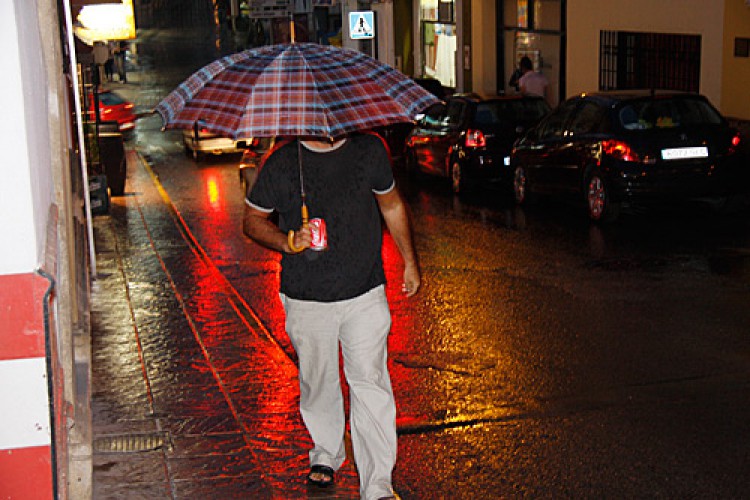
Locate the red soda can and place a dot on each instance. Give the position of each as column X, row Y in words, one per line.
column 319, row 235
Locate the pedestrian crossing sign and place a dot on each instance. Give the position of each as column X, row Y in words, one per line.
column 361, row 25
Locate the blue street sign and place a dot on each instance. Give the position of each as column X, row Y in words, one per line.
column 361, row 25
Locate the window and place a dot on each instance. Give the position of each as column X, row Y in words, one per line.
column 587, row 119
column 552, row 126
column 667, row 113
column 630, row 60
column 455, row 113
column 434, row 116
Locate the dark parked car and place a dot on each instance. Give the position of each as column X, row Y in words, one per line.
column 630, row 147
column 468, row 139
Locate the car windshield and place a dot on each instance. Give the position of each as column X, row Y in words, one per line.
column 110, row 99
column 510, row 112
column 667, row 113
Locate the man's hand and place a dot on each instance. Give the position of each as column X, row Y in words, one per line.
column 412, row 280
column 257, row 226
column 299, row 240
column 396, row 218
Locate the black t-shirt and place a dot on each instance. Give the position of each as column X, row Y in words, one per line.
column 339, row 187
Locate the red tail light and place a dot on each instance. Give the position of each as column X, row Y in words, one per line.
column 475, row 139
column 735, row 143
column 619, row 150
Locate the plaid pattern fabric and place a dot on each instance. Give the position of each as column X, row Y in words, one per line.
column 305, row 90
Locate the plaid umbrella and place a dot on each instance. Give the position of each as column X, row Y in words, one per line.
column 304, row 90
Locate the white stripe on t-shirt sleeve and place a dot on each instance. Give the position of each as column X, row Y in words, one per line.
column 256, row 207
column 393, row 185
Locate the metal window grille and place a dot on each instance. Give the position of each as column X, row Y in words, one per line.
column 649, row 60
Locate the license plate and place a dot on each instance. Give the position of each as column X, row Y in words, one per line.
column 684, row 153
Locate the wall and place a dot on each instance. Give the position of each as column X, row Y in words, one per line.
column 45, row 445
column 25, row 201
column 586, row 18
column 735, row 96
column 483, row 47
column 24, row 192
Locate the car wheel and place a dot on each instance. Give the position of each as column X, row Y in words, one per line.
column 521, row 193
column 600, row 206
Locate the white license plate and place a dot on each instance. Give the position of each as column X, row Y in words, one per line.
column 683, row 153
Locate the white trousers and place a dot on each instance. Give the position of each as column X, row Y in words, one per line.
column 361, row 326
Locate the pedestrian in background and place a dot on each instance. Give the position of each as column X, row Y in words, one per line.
column 121, row 50
column 109, row 65
column 532, row 82
column 337, row 297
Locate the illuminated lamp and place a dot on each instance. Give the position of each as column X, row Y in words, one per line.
column 107, row 21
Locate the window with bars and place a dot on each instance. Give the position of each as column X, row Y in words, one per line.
column 629, row 60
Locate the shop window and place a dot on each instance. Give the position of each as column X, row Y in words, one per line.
column 438, row 10
column 533, row 14
column 439, row 56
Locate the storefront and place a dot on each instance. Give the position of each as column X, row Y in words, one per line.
column 438, row 41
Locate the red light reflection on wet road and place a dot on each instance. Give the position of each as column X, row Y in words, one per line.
column 212, row 191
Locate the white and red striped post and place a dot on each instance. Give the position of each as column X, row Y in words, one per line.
column 26, row 458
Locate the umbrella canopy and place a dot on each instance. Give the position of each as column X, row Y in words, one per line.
column 304, row 90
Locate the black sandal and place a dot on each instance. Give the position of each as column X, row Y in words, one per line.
column 327, row 473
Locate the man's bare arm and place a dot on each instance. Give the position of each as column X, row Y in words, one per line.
column 257, row 226
column 396, row 218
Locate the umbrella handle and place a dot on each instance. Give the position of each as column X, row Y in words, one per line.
column 305, row 216
column 290, row 234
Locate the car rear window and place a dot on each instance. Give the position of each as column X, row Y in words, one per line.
column 510, row 112
column 667, row 113
column 110, row 99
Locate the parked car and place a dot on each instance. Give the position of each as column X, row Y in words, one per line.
column 114, row 108
column 616, row 148
column 468, row 139
column 251, row 159
column 199, row 142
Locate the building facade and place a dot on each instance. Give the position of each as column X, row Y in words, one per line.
column 588, row 45
column 45, row 441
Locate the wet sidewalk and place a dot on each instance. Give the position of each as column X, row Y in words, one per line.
column 191, row 397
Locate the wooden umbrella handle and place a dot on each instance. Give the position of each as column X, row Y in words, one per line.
column 290, row 234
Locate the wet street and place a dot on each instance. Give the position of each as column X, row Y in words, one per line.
column 544, row 357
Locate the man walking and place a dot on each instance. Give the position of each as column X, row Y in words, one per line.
column 336, row 297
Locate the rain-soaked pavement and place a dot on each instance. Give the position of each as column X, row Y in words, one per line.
column 544, row 357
